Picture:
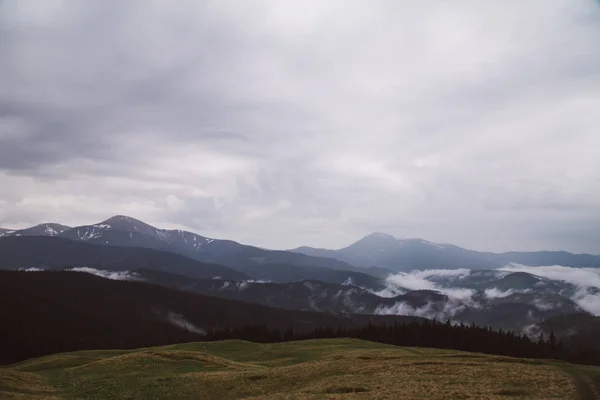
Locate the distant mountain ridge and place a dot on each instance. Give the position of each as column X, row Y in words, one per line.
column 387, row 251
column 121, row 230
column 44, row 252
column 57, row 253
column 377, row 254
column 47, row 229
column 516, row 310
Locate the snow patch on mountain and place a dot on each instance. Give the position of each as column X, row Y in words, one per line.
column 51, row 231
column 88, row 234
column 102, row 226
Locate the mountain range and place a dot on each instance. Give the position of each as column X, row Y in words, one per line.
column 369, row 277
column 494, row 298
column 387, row 251
column 126, row 231
column 66, row 311
column 377, row 254
column 44, row 252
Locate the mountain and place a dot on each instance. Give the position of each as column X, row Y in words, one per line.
column 542, row 258
column 377, row 254
column 306, row 295
column 292, row 273
column 49, row 229
column 511, row 310
column 386, row 251
column 126, row 231
column 56, row 252
column 54, row 311
column 382, row 250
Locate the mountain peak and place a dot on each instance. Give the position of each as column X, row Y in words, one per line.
column 123, row 222
column 380, row 235
column 120, row 219
column 51, row 228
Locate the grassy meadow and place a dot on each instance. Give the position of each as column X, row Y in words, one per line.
column 313, row 369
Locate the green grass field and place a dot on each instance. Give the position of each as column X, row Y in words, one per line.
column 314, row 369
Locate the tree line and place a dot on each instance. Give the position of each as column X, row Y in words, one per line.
column 427, row 333
column 22, row 342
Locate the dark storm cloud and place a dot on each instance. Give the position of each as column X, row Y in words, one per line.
column 282, row 124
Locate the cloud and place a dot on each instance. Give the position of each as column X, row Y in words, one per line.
column 115, row 275
column 585, row 277
column 458, row 298
column 494, row 293
column 280, row 126
column 582, row 287
column 425, row 280
column 587, row 281
column 181, row 322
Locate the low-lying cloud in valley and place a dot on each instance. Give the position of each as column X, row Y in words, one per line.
column 513, row 297
column 475, row 289
column 587, row 280
column 114, row 275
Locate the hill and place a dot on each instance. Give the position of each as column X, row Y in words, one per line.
column 311, row 369
column 387, row 251
column 52, row 311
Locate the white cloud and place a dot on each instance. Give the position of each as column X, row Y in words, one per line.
column 115, row 275
column 424, row 280
column 181, row 322
column 585, row 277
column 497, row 293
column 585, row 280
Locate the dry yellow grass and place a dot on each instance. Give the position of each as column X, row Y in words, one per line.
column 320, row 369
column 22, row 385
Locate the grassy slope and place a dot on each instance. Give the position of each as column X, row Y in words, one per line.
column 315, row 369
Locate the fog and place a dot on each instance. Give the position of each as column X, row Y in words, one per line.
column 114, row 275
column 180, row 321
column 581, row 285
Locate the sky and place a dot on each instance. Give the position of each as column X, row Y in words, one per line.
column 286, row 123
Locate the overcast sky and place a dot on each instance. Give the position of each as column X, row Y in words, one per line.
column 288, row 123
